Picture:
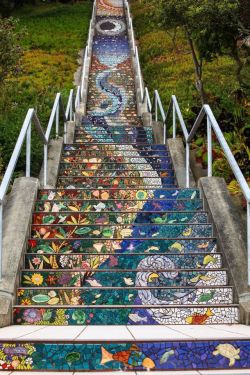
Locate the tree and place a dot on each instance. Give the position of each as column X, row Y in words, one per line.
column 10, row 50
column 211, row 27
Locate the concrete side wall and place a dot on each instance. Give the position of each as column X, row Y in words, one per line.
column 228, row 230
column 54, row 157
column 16, row 229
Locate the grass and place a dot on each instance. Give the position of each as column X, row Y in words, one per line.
column 54, row 34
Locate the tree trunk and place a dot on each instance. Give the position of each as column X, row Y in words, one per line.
column 198, row 70
column 239, row 64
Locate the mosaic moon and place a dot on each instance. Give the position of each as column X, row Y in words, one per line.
column 110, row 26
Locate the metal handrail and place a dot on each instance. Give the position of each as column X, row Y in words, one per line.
column 175, row 109
column 25, row 134
column 87, row 51
column 135, row 50
column 212, row 125
column 146, row 97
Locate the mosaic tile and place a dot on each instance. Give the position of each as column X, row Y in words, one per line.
column 116, row 261
column 154, row 205
column 149, row 272
column 163, row 355
column 142, row 315
column 160, row 296
column 147, row 246
column 133, row 194
column 121, row 231
column 120, row 218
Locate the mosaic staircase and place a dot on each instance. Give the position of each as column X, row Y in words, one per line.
column 117, row 243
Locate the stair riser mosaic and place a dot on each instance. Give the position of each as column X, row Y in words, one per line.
column 114, row 261
column 81, row 297
column 161, row 274
column 90, row 166
column 119, row 218
column 156, row 205
column 121, row 315
column 147, row 246
column 122, row 231
column 171, row 356
column 118, row 182
column 118, row 194
column 79, row 172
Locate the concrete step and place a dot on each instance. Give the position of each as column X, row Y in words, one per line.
column 124, row 296
column 80, row 157
column 122, row 315
column 114, row 167
column 113, row 261
column 169, row 347
column 116, row 173
column 163, row 275
column 156, row 205
column 70, row 217
column 120, row 231
column 147, row 246
column 154, row 148
column 133, row 194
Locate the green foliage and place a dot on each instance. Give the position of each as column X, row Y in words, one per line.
column 10, row 49
column 54, row 35
column 167, row 66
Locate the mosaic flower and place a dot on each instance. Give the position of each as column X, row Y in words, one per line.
column 25, row 301
column 32, row 315
column 37, row 279
column 64, row 279
column 51, row 280
column 36, row 261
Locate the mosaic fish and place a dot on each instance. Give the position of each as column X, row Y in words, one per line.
column 177, row 246
column 130, row 358
column 199, row 318
column 166, row 356
column 136, row 318
column 205, row 297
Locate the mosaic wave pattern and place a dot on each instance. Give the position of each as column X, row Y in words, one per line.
column 118, row 242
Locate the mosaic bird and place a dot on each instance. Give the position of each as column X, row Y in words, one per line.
column 132, row 357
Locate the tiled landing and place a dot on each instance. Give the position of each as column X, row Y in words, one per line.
column 207, row 372
column 124, row 333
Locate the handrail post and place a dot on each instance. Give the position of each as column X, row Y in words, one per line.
column 57, row 119
column 71, row 109
column 174, row 121
column 187, row 164
column 164, row 132
column 156, row 108
column 45, row 164
column 248, row 240
column 1, row 240
column 209, row 148
column 28, row 150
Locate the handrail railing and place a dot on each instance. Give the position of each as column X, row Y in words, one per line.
column 212, row 126
column 25, row 134
column 135, row 49
column 146, row 98
column 87, row 52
